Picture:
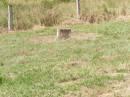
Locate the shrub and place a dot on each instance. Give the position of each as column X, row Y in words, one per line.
column 102, row 10
column 24, row 17
column 23, row 24
column 50, row 18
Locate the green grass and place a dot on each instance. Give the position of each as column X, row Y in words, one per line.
column 44, row 70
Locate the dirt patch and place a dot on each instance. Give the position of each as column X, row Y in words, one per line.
column 72, row 22
column 74, row 36
column 43, row 39
column 122, row 69
column 109, row 58
column 119, row 89
column 105, row 70
column 70, row 95
column 37, row 27
column 113, row 89
column 84, row 92
column 84, row 36
column 70, row 65
column 77, row 63
column 123, row 18
column 70, row 82
column 12, row 76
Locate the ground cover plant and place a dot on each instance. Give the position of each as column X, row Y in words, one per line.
column 93, row 62
column 28, row 13
column 73, row 68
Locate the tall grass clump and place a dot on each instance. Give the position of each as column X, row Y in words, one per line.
column 44, row 12
column 28, row 13
column 50, row 18
column 49, row 13
column 103, row 10
column 3, row 14
column 25, row 16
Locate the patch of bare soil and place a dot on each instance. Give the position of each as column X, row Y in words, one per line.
column 85, row 36
column 11, row 76
column 43, row 39
column 110, row 58
column 70, row 82
column 84, row 92
column 74, row 36
column 70, row 65
column 38, row 27
column 77, row 63
column 113, row 89
column 72, row 21
column 114, row 71
column 106, row 70
column 71, row 95
column 116, row 88
column 119, row 89
column 123, row 18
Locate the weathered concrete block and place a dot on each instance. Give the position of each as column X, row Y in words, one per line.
column 63, row 33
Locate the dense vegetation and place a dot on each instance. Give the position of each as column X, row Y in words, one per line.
column 28, row 13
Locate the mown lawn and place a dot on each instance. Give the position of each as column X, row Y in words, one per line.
column 60, row 68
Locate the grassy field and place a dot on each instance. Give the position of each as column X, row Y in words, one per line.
column 30, row 67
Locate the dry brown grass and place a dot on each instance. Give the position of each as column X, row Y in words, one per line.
column 30, row 13
column 103, row 10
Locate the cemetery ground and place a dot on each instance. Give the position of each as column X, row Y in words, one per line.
column 94, row 62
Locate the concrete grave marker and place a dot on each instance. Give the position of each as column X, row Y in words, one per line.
column 63, row 33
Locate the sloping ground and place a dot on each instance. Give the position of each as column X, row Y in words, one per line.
column 94, row 62
column 118, row 89
column 113, row 89
column 73, row 36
